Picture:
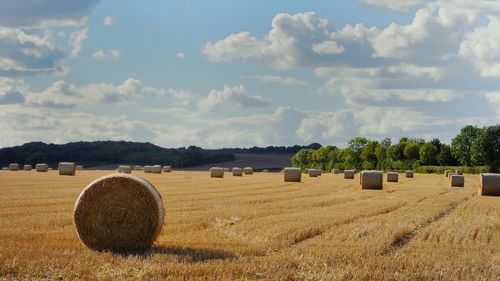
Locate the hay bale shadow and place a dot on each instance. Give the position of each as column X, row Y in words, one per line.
column 189, row 254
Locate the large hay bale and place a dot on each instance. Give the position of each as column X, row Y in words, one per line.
column 156, row 169
column 409, row 174
column 447, row 173
column 67, row 169
column 392, row 177
column 217, row 172
column 13, row 167
column 147, row 169
column 237, row 172
column 457, row 180
column 248, row 170
column 293, row 174
column 349, row 174
column 336, row 171
column 119, row 212
column 371, row 179
column 314, row 173
column 42, row 167
column 124, row 169
column 489, row 184
column 167, row 169
column 27, row 168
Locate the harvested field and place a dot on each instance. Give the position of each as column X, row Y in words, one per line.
column 259, row 227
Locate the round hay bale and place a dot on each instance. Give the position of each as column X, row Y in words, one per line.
column 79, row 167
column 119, row 212
column 314, row 173
column 237, row 172
column 67, row 169
column 5, row 169
column 156, row 169
column 147, row 169
column 336, row 171
column 42, row 168
column 349, row 174
column 125, row 169
column 167, row 169
column 447, row 173
column 138, row 168
column 459, row 172
column 371, row 179
column 265, row 171
column 392, row 177
column 27, row 167
column 248, row 170
column 293, row 174
column 409, row 174
column 489, row 184
column 13, row 167
column 457, row 180
column 216, row 172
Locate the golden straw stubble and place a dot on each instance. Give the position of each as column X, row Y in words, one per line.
column 120, row 213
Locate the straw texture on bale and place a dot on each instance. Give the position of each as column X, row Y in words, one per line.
column 156, row 169
column 447, row 172
column 457, row 181
column 409, row 174
column 392, row 177
column 314, row 173
column 13, row 167
column 167, row 169
column 237, row 172
column 120, row 213
column 349, row 174
column 125, row 169
column 217, row 172
column 336, row 171
column 42, row 167
column 147, row 169
column 248, row 170
column 293, row 175
column 489, row 184
column 27, row 167
column 67, row 169
column 371, row 179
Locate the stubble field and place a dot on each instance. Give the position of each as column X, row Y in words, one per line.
column 259, row 227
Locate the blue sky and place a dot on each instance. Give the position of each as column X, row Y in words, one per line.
column 228, row 73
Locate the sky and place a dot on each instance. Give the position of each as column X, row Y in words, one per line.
column 234, row 73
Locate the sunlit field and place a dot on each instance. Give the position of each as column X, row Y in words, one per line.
column 259, row 227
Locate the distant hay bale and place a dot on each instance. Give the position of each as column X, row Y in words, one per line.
column 138, row 168
column 349, row 174
column 489, row 184
column 292, row 174
column 372, row 179
column 459, row 172
column 392, row 177
column 167, row 169
column 42, row 168
column 409, row 174
column 237, row 172
column 147, row 169
column 217, row 172
column 314, row 173
column 336, row 171
column 27, row 167
column 120, row 213
column 67, row 169
column 248, row 171
column 226, row 170
column 447, row 173
column 265, row 171
column 79, row 167
column 457, row 180
column 5, row 169
column 124, row 169
column 13, row 167
column 156, row 169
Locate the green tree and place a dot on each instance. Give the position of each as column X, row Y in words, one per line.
column 369, row 156
column 36, row 158
column 461, row 145
column 302, row 158
column 381, row 153
column 444, row 157
column 412, row 151
column 485, row 149
column 428, row 154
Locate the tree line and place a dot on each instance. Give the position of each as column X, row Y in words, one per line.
column 472, row 146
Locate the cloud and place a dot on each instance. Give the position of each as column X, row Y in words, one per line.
column 396, row 5
column 288, row 81
column 76, row 40
column 229, row 98
column 183, row 97
column 62, row 94
column 29, row 13
column 328, row 47
column 181, row 55
column 106, row 54
column 109, row 20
